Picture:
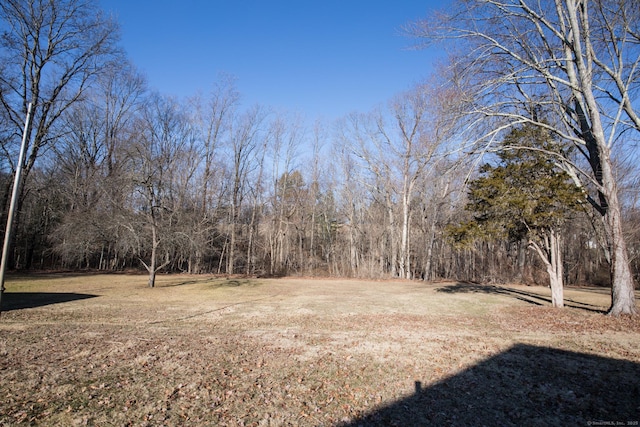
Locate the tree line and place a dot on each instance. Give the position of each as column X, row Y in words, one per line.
column 120, row 177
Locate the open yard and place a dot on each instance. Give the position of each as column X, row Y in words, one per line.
column 197, row 350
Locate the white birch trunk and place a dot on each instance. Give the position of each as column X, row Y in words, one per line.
column 551, row 255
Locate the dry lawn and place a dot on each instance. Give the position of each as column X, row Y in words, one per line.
column 198, row 350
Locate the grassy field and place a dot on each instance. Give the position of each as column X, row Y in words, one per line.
column 198, row 350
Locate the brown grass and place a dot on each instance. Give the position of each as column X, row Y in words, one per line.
column 196, row 350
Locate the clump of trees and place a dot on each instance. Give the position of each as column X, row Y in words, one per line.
column 567, row 66
column 524, row 198
column 122, row 177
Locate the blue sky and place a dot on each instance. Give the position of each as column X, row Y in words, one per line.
column 322, row 59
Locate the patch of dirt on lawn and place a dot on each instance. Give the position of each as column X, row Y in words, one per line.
column 215, row 351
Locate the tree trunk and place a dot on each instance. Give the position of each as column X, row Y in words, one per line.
column 250, row 263
column 404, row 244
column 551, row 256
column 353, row 256
column 600, row 159
column 521, row 261
column 622, row 285
column 557, row 297
column 312, row 250
column 154, row 255
column 232, row 242
column 428, row 266
column 555, row 270
column 152, row 278
column 394, row 252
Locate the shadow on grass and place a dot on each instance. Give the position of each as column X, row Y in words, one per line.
column 525, row 385
column 20, row 300
column 236, row 283
column 215, row 282
column 528, row 297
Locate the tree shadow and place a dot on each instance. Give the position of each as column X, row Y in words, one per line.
column 236, row 283
column 528, row 297
column 182, row 283
column 19, row 300
column 525, row 385
column 214, row 282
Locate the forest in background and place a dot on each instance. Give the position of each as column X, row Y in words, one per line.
column 121, row 177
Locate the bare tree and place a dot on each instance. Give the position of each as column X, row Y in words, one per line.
column 286, row 136
column 315, row 191
column 164, row 167
column 436, row 203
column 244, row 141
column 365, row 179
column 569, row 66
column 90, row 165
column 51, row 50
column 399, row 147
column 213, row 117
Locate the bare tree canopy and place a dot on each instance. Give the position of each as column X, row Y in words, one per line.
column 570, row 66
column 50, row 50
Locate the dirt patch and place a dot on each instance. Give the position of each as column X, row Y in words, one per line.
column 106, row 350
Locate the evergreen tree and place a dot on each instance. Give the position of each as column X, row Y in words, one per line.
column 524, row 196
